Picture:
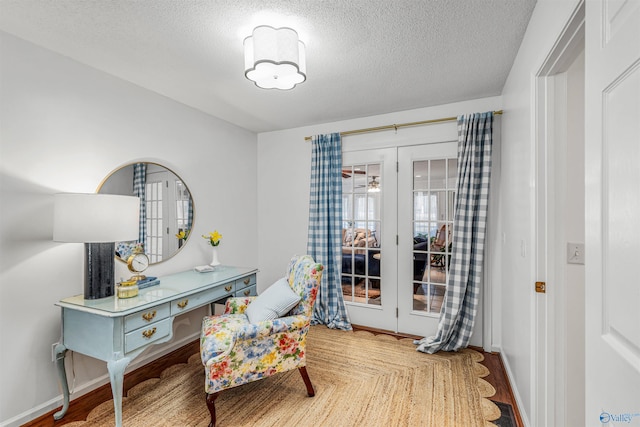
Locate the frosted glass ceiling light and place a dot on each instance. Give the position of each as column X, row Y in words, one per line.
column 274, row 58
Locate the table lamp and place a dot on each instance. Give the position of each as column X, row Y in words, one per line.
column 98, row 221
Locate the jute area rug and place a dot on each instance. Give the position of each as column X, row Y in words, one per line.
column 360, row 379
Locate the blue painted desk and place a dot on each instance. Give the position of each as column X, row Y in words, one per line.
column 118, row 330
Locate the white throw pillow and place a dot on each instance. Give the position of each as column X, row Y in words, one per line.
column 276, row 301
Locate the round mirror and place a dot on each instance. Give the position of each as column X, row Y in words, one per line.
column 166, row 209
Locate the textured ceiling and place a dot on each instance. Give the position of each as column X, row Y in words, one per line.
column 364, row 57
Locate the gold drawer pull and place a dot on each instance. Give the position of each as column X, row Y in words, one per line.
column 246, row 281
column 149, row 316
column 149, row 333
column 183, row 303
column 247, row 292
column 228, row 288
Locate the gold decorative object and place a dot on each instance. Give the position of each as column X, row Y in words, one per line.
column 149, row 316
column 149, row 333
column 127, row 289
column 137, row 263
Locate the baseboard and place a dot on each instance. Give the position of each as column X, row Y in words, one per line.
column 42, row 415
column 514, row 389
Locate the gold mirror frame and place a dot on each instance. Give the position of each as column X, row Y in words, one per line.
column 161, row 225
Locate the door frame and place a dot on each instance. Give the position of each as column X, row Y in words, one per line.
column 548, row 315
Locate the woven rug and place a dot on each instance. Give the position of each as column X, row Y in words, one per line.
column 360, row 379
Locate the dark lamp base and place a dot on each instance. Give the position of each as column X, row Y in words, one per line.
column 99, row 270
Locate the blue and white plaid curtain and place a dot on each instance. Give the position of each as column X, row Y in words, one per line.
column 325, row 229
column 139, row 189
column 189, row 214
column 458, row 314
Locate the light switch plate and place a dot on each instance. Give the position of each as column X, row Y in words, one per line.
column 575, row 253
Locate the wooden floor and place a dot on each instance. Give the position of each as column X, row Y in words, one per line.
column 80, row 407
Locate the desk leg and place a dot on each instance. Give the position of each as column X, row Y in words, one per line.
column 60, row 352
column 116, row 375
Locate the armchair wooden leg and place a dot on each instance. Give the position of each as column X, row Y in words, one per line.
column 307, row 381
column 211, row 400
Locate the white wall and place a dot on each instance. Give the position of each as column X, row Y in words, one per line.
column 64, row 127
column 284, row 162
column 574, row 231
column 517, row 200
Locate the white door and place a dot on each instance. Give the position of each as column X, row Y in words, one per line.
column 167, row 213
column 426, row 194
column 369, row 251
column 612, row 220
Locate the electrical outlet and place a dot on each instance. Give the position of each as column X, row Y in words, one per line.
column 53, row 351
column 575, row 253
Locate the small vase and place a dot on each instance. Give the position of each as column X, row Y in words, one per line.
column 214, row 260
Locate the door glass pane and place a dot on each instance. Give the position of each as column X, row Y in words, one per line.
column 360, row 207
column 421, row 206
column 359, row 177
column 421, row 175
column 347, row 179
column 437, row 175
column 154, row 224
column 361, row 231
column 451, row 197
column 452, row 172
column 433, row 198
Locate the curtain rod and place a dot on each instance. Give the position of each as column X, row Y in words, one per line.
column 401, row 125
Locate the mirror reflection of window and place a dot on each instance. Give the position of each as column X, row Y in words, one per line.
column 167, row 208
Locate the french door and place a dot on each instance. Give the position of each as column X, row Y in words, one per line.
column 369, row 250
column 396, row 237
column 167, row 208
column 426, row 194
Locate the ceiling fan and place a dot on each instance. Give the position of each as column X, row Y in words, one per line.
column 346, row 173
column 374, row 186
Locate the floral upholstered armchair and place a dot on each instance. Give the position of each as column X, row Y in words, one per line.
column 240, row 346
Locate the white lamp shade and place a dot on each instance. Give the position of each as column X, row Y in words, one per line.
column 94, row 218
column 274, row 58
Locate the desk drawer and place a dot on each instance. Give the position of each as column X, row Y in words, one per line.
column 145, row 317
column 245, row 282
column 251, row 291
column 205, row 297
column 147, row 335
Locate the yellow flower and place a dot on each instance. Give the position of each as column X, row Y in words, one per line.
column 213, row 238
column 181, row 235
column 269, row 358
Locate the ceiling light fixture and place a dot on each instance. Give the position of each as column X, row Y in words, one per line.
column 374, row 186
column 274, row 58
